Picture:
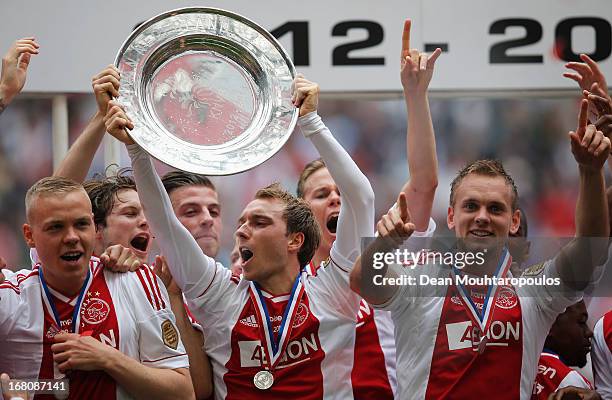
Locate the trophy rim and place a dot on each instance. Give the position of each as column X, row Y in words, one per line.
column 219, row 165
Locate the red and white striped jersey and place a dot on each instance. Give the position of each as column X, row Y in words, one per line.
column 128, row 311
column 438, row 353
column 601, row 355
column 318, row 359
column 373, row 375
column 553, row 375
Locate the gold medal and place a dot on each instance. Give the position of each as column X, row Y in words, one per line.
column 263, row 380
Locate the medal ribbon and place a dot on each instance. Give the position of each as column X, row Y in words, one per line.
column 274, row 348
column 483, row 320
column 76, row 316
column 50, row 305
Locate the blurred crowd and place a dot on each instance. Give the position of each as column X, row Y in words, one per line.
column 529, row 135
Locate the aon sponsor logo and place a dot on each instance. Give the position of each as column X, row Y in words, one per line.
column 547, row 371
column 301, row 349
column 462, row 335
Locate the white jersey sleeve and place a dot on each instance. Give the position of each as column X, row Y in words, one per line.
column 574, row 379
column 159, row 342
column 551, row 299
column 10, row 298
column 601, row 355
column 195, row 273
column 356, row 219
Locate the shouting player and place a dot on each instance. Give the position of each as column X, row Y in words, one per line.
column 119, row 218
column 112, row 335
column 276, row 332
column 374, row 373
column 117, row 211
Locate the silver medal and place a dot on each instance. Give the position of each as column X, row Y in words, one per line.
column 263, row 380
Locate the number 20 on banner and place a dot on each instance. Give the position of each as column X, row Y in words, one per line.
column 498, row 52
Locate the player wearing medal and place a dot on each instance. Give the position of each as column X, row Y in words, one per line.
column 449, row 336
column 374, row 373
column 12, row 79
column 567, row 344
column 112, row 335
column 276, row 328
column 601, row 355
column 119, row 218
column 117, row 211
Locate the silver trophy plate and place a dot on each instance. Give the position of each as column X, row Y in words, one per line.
column 209, row 91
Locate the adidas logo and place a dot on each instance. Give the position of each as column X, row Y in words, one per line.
column 250, row 321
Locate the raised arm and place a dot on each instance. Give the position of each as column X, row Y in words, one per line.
column 393, row 229
column 77, row 162
column 416, row 71
column 189, row 266
column 356, row 219
column 589, row 248
column 14, row 69
column 588, row 76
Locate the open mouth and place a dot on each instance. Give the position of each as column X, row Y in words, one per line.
column 140, row 242
column 245, row 254
column 71, row 256
column 332, row 223
column 481, row 233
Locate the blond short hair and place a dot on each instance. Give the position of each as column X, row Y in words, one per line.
column 308, row 170
column 50, row 186
column 492, row 168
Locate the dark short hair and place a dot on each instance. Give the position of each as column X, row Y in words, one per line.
column 308, row 170
column 103, row 189
column 490, row 168
column 177, row 179
column 298, row 217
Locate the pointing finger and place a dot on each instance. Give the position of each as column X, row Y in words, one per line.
column 583, row 115
column 406, row 39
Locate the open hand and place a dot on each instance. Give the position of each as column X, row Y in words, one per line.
column 15, row 67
